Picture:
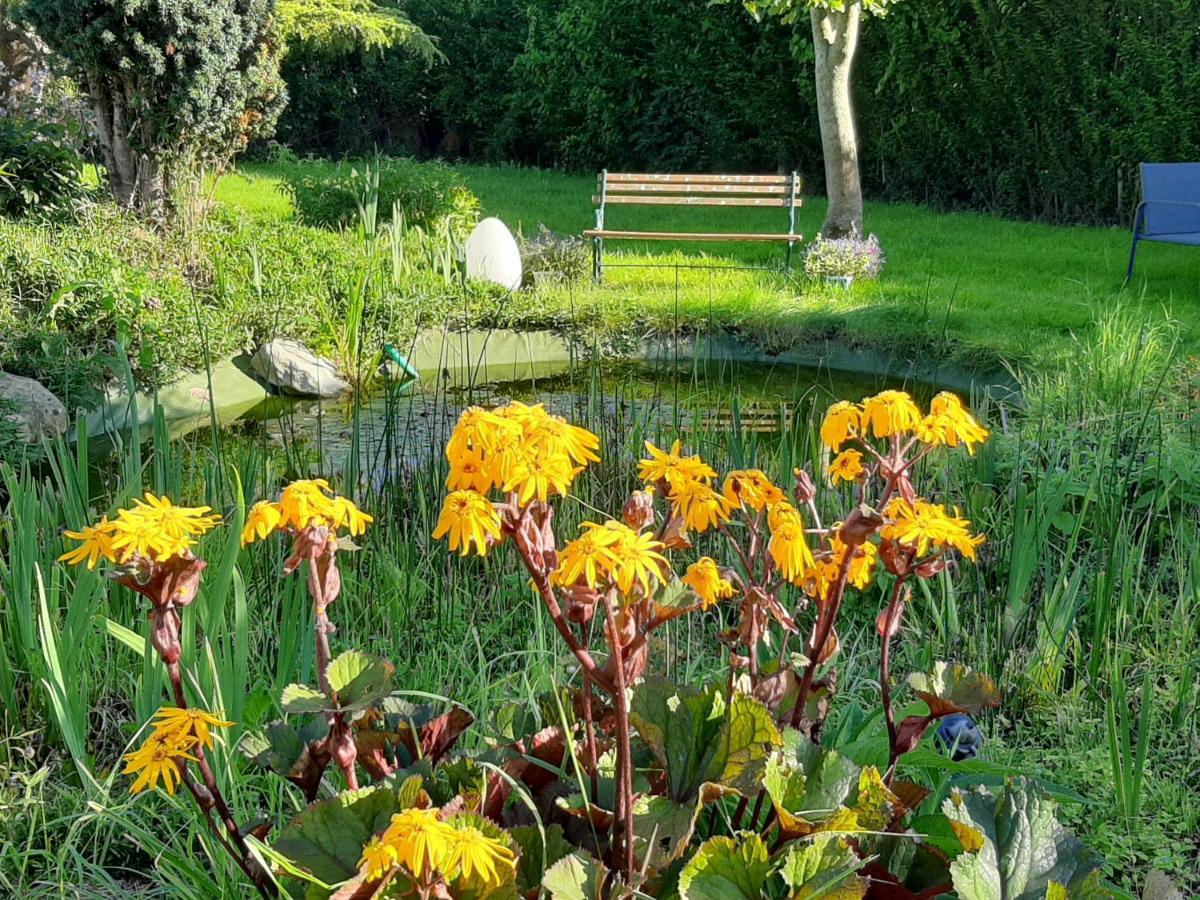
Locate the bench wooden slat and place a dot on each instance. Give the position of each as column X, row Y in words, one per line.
column 627, row 177
column 662, row 187
column 690, row 236
column 706, row 200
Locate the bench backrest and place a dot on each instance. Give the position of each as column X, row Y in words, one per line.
column 644, row 189
column 1174, row 183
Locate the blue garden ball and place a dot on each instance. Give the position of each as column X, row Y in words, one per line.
column 960, row 736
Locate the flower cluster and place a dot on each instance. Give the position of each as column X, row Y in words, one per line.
column 432, row 849
column 152, row 530
column 894, row 414
column 519, row 449
column 308, row 503
column 848, row 256
column 687, row 482
column 612, row 555
column 177, row 732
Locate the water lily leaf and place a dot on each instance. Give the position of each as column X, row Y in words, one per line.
column 538, row 856
column 726, row 869
column 327, row 838
column 1024, row 847
column 953, row 688
column 300, row 698
column 359, row 679
column 575, row 877
column 824, row 867
column 697, row 738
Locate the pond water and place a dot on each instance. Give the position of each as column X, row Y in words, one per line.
column 399, row 428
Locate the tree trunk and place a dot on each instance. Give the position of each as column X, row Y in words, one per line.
column 835, row 38
column 136, row 177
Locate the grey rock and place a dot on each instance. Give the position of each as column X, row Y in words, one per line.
column 37, row 411
column 294, row 369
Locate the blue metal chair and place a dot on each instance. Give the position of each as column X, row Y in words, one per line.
column 1170, row 209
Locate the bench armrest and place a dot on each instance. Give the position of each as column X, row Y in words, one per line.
column 1181, row 216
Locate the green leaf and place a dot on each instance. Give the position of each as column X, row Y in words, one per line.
column 662, row 828
column 824, row 867
column 575, row 877
column 359, row 679
column 697, row 738
column 1025, row 848
column 300, row 698
column 952, row 687
column 537, row 857
column 726, row 869
column 327, row 838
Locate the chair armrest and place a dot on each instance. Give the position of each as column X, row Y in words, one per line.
column 1167, row 217
column 1170, row 203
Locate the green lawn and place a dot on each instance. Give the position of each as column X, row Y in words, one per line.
column 959, row 285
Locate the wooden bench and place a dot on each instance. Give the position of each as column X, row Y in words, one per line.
column 1170, row 209
column 634, row 189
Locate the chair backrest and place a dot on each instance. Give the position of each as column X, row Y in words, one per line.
column 1175, row 183
column 640, row 189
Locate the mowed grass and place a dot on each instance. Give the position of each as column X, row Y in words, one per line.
column 962, row 286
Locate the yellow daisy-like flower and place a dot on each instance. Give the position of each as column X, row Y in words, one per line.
column 176, row 522
column 889, row 413
column 637, row 560
column 673, row 467
column 472, row 855
column 862, row 563
column 924, row 526
column 818, row 578
column 841, row 423
column 95, row 544
column 788, row 545
column 471, row 470
column 950, row 424
column 538, row 475
column 478, row 430
column 552, row 434
column 587, row 559
column 135, row 535
column 846, row 466
column 194, row 725
column 751, row 488
column 706, row 580
column 469, row 519
column 306, row 502
column 377, row 859
column 345, row 515
column 699, row 504
column 160, row 757
column 420, row 839
column 262, row 520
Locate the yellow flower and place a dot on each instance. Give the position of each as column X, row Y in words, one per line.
column 699, row 504
column 788, row 546
column 889, row 413
column 478, row 430
column 191, row 724
column 950, row 423
column 420, row 839
column 261, row 521
column 377, row 859
column 636, row 558
column 589, row 557
column 471, row 470
column 672, row 467
column 95, row 544
column 160, row 757
column 348, row 516
column 705, row 579
column 553, row 434
column 862, row 564
column 176, row 522
column 752, row 488
column 846, row 466
column 135, row 535
column 842, row 422
column 818, row 578
column 468, row 518
column 923, row 525
column 472, row 854
column 306, row 502
column 538, row 475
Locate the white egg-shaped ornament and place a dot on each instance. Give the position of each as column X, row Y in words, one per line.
column 493, row 255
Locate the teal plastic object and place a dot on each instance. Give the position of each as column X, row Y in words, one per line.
column 401, row 360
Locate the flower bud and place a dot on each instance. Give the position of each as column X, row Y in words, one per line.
column 859, row 525
column 638, row 511
column 675, row 536
column 805, row 490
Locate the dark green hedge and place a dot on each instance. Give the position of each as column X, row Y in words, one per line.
column 1037, row 108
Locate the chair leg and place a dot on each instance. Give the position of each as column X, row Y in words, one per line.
column 1132, row 257
column 597, row 263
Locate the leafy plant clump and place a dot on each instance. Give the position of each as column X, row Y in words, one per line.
column 847, row 257
column 427, row 192
column 555, row 258
column 725, row 789
column 40, row 172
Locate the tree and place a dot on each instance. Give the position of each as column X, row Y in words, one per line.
column 170, row 85
column 835, row 26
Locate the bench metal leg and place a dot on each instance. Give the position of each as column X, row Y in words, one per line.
column 1132, row 257
column 597, row 260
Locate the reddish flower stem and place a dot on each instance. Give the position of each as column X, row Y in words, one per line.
column 885, row 662
column 622, row 850
column 826, row 616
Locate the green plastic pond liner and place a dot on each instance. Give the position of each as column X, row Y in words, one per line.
column 401, row 360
